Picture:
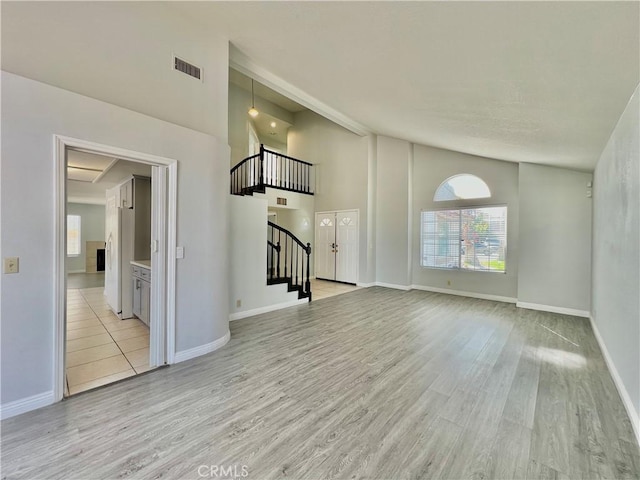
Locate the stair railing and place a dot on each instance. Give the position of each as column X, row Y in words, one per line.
column 272, row 169
column 288, row 260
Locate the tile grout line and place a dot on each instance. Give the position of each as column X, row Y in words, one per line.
column 112, row 339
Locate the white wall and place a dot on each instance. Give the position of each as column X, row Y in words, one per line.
column 121, row 53
column 431, row 167
column 248, row 258
column 616, row 241
column 239, row 104
column 554, row 267
column 392, row 211
column 91, row 229
column 32, row 113
column 340, row 162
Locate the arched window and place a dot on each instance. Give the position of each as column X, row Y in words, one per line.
column 462, row 187
column 471, row 238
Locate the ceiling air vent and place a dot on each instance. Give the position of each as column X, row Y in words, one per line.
column 186, row 67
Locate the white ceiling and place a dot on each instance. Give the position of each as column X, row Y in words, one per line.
column 95, row 193
column 541, row 82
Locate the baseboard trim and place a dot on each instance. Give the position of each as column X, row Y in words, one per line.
column 202, row 349
column 462, row 293
column 393, row 285
column 622, row 390
column 267, row 309
column 365, row 285
column 77, row 271
column 552, row 309
column 24, row 405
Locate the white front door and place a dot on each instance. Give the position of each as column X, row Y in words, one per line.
column 112, row 252
column 325, row 246
column 347, row 246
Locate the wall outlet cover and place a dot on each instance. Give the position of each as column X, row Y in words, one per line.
column 11, row 265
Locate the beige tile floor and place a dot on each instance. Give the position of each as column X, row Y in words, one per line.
column 100, row 347
column 323, row 288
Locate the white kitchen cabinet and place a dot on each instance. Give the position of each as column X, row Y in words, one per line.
column 141, row 283
column 126, row 194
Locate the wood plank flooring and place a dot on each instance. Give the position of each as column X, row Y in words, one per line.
column 371, row 384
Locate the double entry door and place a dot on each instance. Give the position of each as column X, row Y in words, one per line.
column 337, row 246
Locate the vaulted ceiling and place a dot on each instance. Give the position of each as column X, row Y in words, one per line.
column 541, row 82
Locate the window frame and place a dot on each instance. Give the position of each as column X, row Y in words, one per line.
column 457, row 175
column 460, row 208
column 79, row 235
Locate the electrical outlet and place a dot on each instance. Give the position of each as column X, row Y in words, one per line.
column 11, row 264
column 238, row 303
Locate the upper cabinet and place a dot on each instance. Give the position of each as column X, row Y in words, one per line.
column 126, row 194
column 135, row 201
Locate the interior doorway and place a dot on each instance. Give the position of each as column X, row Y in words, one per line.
column 337, row 246
column 116, row 277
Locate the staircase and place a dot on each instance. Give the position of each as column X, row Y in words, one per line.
column 288, row 258
column 288, row 261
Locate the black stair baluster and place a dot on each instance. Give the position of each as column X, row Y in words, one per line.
column 308, row 283
column 272, row 254
column 285, row 257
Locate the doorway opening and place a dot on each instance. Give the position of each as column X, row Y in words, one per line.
column 116, row 277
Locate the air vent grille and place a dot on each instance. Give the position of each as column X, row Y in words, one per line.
column 281, row 201
column 188, row 68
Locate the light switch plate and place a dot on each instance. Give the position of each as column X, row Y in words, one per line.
column 179, row 252
column 11, row 264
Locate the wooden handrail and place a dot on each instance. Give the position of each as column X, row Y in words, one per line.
column 296, row 269
column 274, row 170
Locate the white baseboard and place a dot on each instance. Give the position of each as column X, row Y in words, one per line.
column 365, row 285
column 393, row 285
column 202, row 349
column 268, row 308
column 23, row 405
column 634, row 416
column 552, row 309
column 461, row 293
column 76, row 271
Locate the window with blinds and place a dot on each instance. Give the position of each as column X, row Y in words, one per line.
column 465, row 238
column 73, row 235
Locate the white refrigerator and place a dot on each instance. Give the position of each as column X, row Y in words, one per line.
column 118, row 255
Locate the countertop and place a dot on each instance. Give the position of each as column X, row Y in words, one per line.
column 142, row 263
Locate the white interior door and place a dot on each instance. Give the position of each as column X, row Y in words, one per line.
column 112, row 288
column 325, row 246
column 347, row 246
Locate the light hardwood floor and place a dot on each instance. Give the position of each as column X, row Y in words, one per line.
column 374, row 383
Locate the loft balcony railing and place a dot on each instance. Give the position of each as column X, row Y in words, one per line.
column 274, row 170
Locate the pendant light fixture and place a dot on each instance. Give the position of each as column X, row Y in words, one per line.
column 253, row 111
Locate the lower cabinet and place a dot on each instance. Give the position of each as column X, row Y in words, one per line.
column 141, row 279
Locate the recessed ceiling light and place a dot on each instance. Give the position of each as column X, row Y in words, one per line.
column 273, row 124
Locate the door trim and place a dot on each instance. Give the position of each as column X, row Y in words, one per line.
column 165, row 216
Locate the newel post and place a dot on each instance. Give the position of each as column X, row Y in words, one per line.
column 261, row 164
column 307, row 285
